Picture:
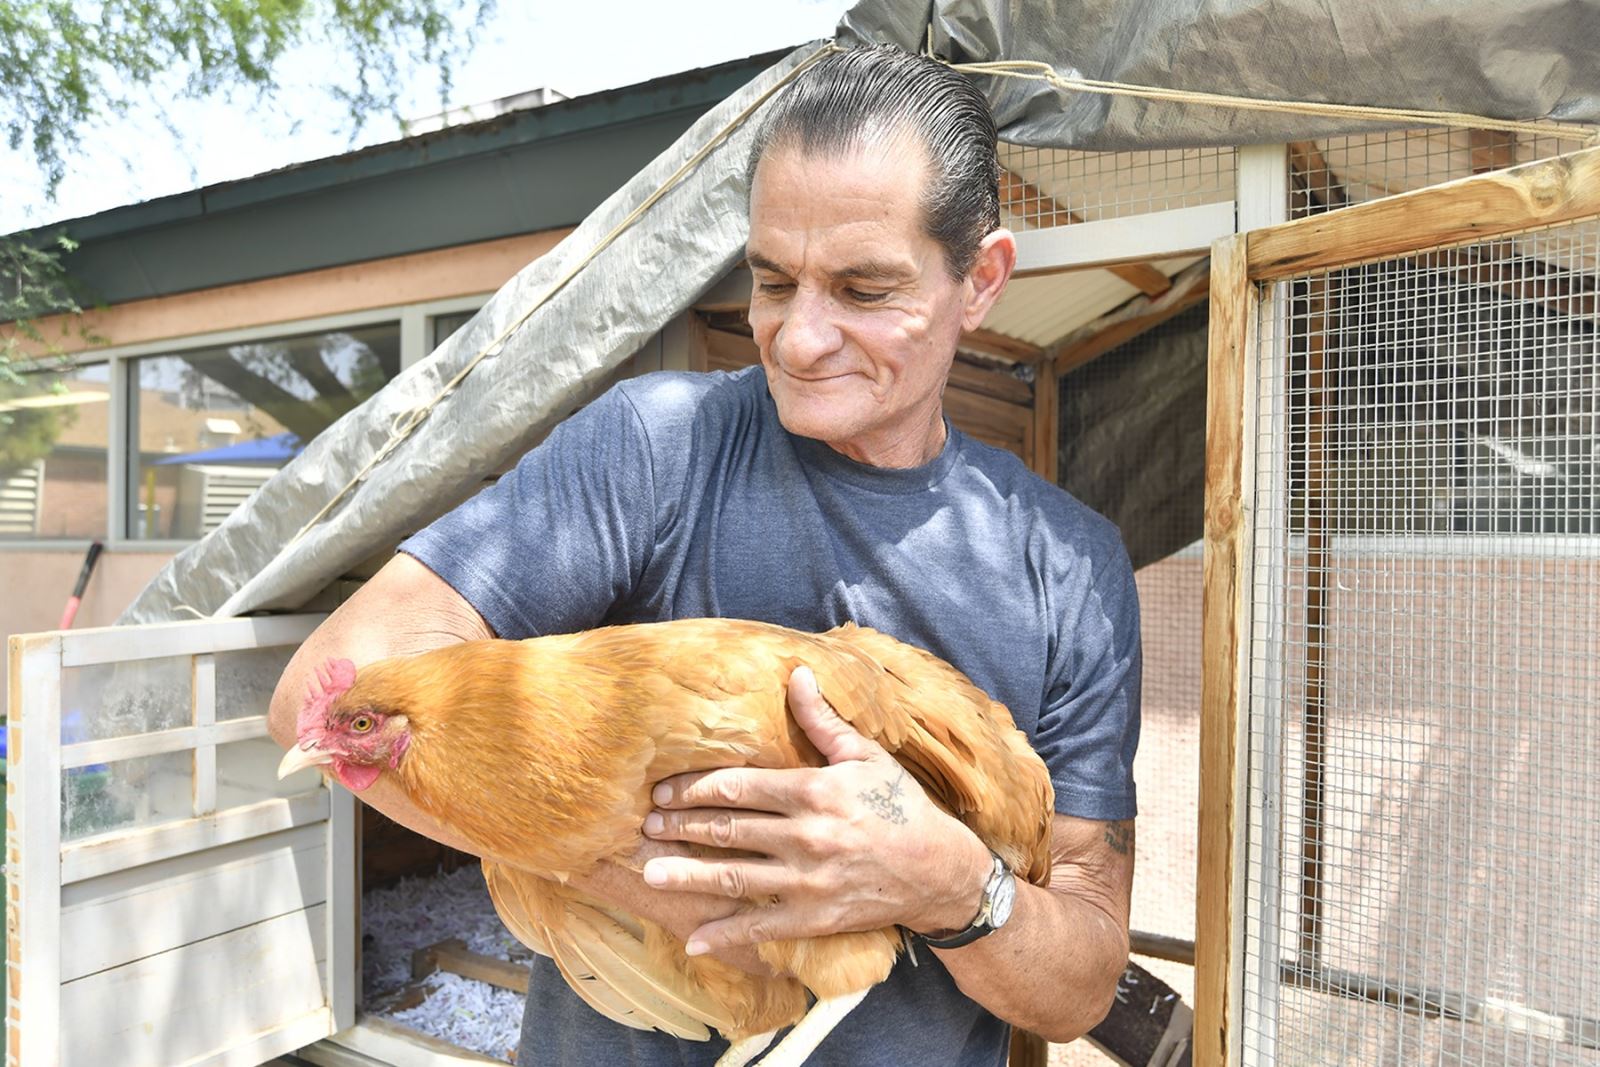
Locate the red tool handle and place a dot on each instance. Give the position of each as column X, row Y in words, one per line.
column 76, row 598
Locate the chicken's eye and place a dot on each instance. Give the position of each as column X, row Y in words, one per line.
column 361, row 723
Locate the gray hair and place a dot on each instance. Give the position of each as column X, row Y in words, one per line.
column 870, row 96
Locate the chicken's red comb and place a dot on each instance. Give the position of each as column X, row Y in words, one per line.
column 333, row 679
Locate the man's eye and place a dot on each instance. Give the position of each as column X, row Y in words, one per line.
column 862, row 297
column 775, row 288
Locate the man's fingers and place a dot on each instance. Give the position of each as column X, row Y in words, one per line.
column 836, row 739
column 752, row 926
column 719, row 878
column 749, row 831
column 750, row 788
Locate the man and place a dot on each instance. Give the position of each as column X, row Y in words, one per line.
column 829, row 488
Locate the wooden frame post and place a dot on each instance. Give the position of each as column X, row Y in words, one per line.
column 1320, row 320
column 1225, row 627
column 1047, row 422
column 33, row 853
column 1471, row 210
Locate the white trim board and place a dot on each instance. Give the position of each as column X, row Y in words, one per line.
column 1157, row 235
column 123, row 644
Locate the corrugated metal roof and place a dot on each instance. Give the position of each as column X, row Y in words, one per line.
column 1041, row 310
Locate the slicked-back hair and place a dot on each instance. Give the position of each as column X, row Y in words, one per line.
column 869, row 98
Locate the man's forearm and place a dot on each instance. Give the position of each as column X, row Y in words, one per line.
column 1052, row 969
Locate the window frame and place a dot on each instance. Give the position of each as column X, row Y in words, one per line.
column 415, row 320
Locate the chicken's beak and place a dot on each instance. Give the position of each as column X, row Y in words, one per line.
column 299, row 758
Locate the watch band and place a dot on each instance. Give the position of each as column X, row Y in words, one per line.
column 989, row 917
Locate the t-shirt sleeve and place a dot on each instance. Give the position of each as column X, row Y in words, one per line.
column 555, row 543
column 1089, row 728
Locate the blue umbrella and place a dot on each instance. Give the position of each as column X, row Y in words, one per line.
column 266, row 451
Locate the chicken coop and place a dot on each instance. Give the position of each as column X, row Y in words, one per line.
column 1339, row 393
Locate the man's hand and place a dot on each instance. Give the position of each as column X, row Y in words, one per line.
column 856, row 845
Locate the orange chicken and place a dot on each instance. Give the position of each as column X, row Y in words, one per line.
column 542, row 754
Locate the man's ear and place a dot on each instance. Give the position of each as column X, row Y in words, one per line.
column 991, row 269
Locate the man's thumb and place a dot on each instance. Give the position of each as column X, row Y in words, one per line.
column 836, row 739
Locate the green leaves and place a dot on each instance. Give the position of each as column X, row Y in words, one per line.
column 33, row 283
column 65, row 64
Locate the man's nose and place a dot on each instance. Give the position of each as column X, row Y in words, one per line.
column 808, row 332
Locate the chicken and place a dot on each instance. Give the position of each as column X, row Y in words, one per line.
column 542, row 754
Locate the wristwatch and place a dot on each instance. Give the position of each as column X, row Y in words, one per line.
column 999, row 894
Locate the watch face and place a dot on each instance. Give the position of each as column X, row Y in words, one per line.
column 1005, row 896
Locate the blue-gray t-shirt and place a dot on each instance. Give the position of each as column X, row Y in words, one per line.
column 681, row 496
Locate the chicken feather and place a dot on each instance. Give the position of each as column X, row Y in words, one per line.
column 542, row 754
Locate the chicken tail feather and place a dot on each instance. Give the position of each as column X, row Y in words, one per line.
column 505, row 892
column 634, row 988
column 602, row 956
column 592, row 991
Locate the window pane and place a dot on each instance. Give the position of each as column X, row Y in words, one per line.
column 53, row 434
column 246, row 679
column 445, row 325
column 128, row 794
column 247, row 772
column 121, row 699
column 212, row 424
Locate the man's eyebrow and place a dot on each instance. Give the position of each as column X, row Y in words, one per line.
column 874, row 270
column 871, row 270
column 757, row 261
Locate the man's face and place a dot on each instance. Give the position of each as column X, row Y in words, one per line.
column 853, row 308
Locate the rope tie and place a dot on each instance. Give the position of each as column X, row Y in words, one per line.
column 1029, row 70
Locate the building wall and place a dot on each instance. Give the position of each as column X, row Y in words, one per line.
column 37, row 583
column 36, row 577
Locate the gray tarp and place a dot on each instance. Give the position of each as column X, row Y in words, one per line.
column 1527, row 60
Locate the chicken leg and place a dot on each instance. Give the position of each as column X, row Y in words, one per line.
column 807, row 1034
column 746, row 1049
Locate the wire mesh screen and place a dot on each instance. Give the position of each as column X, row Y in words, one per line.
column 1339, row 171
column 1044, row 187
column 1422, row 880
column 1146, row 398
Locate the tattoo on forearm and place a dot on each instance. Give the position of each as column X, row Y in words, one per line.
column 885, row 800
column 1119, row 837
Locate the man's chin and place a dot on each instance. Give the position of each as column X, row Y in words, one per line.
column 818, row 419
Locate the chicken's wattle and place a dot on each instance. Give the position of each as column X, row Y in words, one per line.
column 354, row 776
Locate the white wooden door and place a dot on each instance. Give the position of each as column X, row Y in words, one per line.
column 168, row 901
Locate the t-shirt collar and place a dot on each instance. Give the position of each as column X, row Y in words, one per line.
column 833, row 464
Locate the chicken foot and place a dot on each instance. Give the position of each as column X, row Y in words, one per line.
column 746, row 1049
column 807, row 1034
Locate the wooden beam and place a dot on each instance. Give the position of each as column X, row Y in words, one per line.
column 994, row 343
column 1478, row 208
column 1047, row 423
column 1491, row 149
column 1321, row 321
column 1225, row 628
column 1314, row 177
column 990, row 381
column 454, row 956
column 1161, row 947
column 376, row 1040
column 1028, row 1050
column 1132, row 319
column 1021, row 197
